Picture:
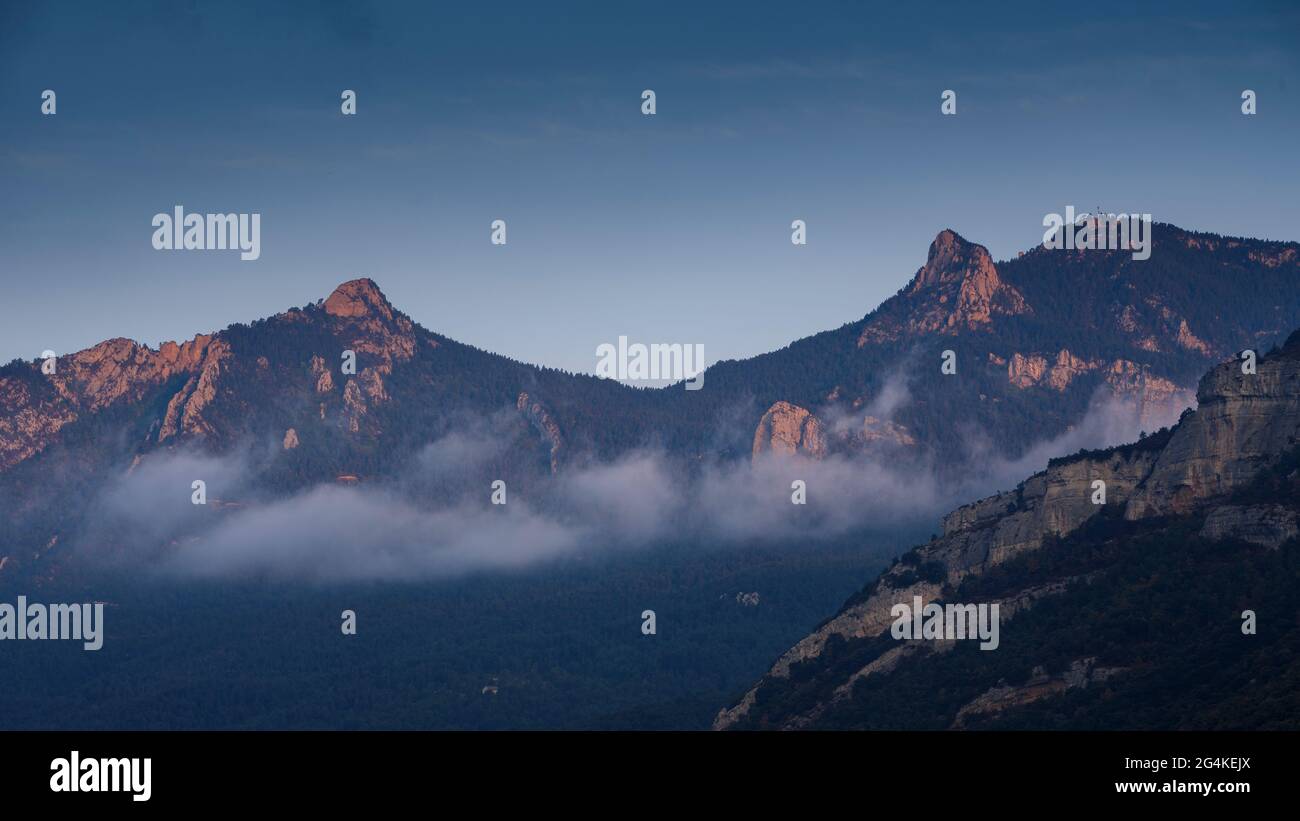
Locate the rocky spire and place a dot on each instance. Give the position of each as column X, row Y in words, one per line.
column 952, row 259
column 964, row 285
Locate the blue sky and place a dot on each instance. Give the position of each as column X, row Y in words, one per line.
column 671, row 228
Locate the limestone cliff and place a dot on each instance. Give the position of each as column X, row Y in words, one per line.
column 1243, row 421
column 1244, row 424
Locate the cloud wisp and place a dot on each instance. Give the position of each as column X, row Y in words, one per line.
column 389, row 530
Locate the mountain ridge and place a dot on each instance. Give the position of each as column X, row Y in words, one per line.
column 1036, row 339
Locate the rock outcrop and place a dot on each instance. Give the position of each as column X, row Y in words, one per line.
column 877, row 431
column 1041, row 685
column 544, row 422
column 321, row 372
column 185, row 409
column 1267, row 525
column 789, row 429
column 957, row 289
column 35, row 406
column 1242, row 423
column 368, row 323
column 1157, row 397
column 381, row 337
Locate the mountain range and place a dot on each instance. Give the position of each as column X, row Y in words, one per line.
column 1035, row 341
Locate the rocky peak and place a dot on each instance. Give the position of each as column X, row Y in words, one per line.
column 957, row 289
column 951, row 260
column 369, row 324
column 359, row 297
column 35, row 407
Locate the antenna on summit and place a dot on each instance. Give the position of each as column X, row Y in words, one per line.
column 1100, row 219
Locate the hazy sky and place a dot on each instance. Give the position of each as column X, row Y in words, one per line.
column 669, row 228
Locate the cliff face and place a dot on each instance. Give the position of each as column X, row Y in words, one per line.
column 188, row 377
column 35, row 406
column 185, row 408
column 1242, row 423
column 1245, row 424
column 789, row 429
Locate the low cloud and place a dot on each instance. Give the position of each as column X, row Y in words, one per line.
column 1110, row 420
column 380, row 532
column 332, row 533
column 387, row 530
